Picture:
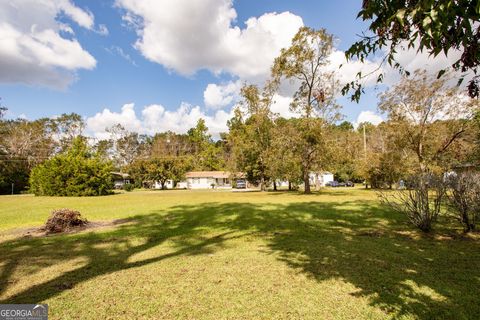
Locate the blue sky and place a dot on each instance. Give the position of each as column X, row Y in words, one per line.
column 123, row 73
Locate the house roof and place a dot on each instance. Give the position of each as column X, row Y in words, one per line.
column 121, row 174
column 208, row 174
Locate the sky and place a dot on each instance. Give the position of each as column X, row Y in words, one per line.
column 157, row 65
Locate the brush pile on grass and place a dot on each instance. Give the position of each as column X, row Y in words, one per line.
column 64, row 220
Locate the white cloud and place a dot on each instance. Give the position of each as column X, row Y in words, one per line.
column 119, row 51
column 82, row 17
column 346, row 71
column 155, row 118
column 219, row 96
column 281, row 106
column 412, row 60
column 102, row 30
column 189, row 35
column 33, row 50
column 106, row 119
column 368, row 116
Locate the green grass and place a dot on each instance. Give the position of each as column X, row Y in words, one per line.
column 223, row 255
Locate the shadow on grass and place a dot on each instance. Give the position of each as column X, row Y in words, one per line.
column 356, row 242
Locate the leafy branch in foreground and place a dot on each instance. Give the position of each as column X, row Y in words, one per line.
column 434, row 26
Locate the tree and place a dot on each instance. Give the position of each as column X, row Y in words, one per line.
column 199, row 136
column 126, row 146
column 23, row 144
column 464, row 199
column 251, row 138
column 475, row 152
column 283, row 162
column 348, row 146
column 171, row 144
column 73, row 173
column 345, row 126
column 159, row 170
column 433, row 26
column 305, row 61
column 384, row 158
column 207, row 155
column 67, row 127
column 421, row 203
column 430, row 118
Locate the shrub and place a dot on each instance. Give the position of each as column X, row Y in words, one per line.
column 464, row 199
column 421, row 203
column 63, row 220
column 128, row 187
column 74, row 173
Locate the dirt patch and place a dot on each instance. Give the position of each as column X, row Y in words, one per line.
column 41, row 231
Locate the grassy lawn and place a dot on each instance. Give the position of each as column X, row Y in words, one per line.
column 224, row 255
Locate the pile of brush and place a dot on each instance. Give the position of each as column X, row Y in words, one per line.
column 64, row 220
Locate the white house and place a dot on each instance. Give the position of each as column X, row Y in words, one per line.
column 208, row 180
column 169, row 185
column 320, row 179
column 200, row 180
column 317, row 179
column 120, row 179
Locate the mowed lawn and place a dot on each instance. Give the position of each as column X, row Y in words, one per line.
column 336, row 254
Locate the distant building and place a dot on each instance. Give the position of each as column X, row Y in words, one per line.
column 203, row 180
column 120, row 179
column 320, row 179
column 208, row 179
column 169, row 185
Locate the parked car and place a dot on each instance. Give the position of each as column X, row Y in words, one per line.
column 333, row 184
column 241, row 184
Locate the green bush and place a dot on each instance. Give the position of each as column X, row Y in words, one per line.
column 128, row 187
column 74, row 173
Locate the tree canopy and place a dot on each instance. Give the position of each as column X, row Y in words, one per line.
column 76, row 172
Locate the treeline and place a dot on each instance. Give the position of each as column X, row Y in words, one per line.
column 54, row 157
column 430, row 129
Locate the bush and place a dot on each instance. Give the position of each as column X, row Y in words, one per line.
column 64, row 220
column 128, row 187
column 421, row 203
column 464, row 199
column 74, row 173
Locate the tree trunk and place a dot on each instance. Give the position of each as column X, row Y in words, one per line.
column 262, row 183
column 306, row 182
column 289, row 186
column 274, row 185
